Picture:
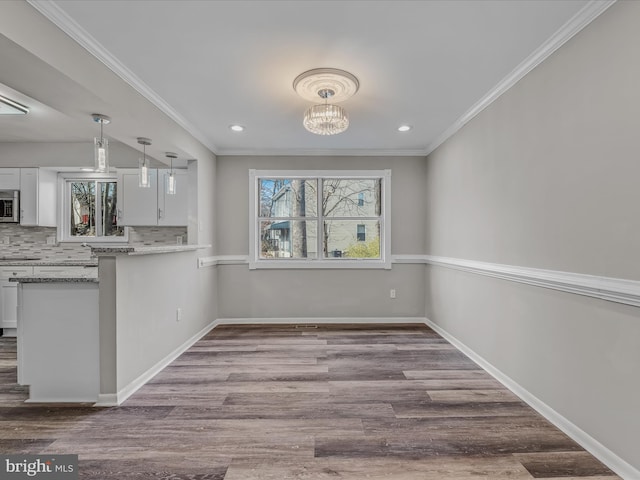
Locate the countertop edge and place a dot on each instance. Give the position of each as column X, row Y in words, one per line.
column 143, row 250
column 48, row 263
column 34, row 279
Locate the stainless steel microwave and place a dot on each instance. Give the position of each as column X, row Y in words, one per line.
column 9, row 206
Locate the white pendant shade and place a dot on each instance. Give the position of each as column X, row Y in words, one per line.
column 101, row 145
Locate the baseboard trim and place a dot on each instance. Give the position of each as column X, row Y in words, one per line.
column 111, row 400
column 598, row 450
column 107, row 400
column 319, row 320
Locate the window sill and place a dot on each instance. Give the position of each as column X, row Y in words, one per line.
column 319, row 264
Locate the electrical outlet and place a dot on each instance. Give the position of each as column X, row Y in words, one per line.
column 178, row 314
column 392, row 293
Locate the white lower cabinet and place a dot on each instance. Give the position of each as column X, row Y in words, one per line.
column 9, row 298
column 9, row 290
column 58, row 341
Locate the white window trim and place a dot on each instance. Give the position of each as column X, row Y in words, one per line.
column 384, row 262
column 64, row 194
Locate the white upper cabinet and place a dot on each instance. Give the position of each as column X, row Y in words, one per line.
column 9, row 178
column 151, row 206
column 37, row 197
column 172, row 209
column 138, row 206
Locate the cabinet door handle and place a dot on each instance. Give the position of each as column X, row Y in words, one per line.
column 119, row 214
column 159, row 213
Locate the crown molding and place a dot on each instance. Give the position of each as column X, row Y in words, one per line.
column 579, row 21
column 324, row 152
column 69, row 26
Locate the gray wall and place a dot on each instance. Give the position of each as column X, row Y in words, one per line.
column 547, row 177
column 320, row 293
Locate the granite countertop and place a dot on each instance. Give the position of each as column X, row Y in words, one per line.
column 144, row 250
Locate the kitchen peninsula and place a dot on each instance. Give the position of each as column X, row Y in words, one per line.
column 97, row 339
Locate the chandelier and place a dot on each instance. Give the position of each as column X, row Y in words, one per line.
column 326, row 83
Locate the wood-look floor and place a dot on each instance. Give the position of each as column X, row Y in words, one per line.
column 280, row 403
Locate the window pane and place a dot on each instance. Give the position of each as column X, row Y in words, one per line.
column 288, row 239
column 83, row 209
column 351, row 197
column 351, row 239
column 288, row 197
column 110, row 228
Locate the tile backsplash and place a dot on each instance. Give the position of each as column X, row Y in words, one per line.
column 32, row 241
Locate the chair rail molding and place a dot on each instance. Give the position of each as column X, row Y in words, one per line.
column 617, row 290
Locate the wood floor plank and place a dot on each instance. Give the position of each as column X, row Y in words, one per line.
column 473, row 396
column 310, row 410
column 563, row 464
column 436, row 468
column 392, row 402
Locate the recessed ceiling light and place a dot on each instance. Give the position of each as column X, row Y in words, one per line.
column 404, row 128
column 236, row 128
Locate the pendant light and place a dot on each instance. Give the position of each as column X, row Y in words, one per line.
column 101, row 145
column 171, row 178
column 144, row 179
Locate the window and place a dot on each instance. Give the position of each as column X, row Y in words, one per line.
column 319, row 219
column 89, row 210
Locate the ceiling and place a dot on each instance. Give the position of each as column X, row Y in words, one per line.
column 210, row 64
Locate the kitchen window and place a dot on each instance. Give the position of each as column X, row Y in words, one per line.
column 319, row 219
column 90, row 210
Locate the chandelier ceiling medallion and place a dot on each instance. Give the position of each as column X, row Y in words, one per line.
column 328, row 84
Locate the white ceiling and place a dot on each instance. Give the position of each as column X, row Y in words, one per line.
column 210, row 64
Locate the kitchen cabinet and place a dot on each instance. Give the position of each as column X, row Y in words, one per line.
column 152, row 206
column 9, row 298
column 59, row 341
column 138, row 206
column 172, row 209
column 37, row 197
column 9, row 178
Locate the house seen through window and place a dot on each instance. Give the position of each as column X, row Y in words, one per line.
column 90, row 210
column 319, row 218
